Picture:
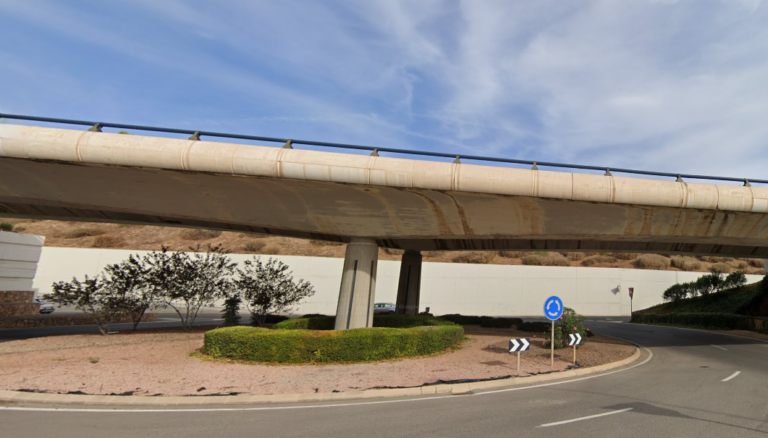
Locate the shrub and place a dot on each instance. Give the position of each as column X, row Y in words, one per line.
column 574, row 256
column 677, row 292
column 6, row 226
column 514, row 254
column 311, row 315
column 685, row 263
column 652, row 261
column 740, row 264
column 267, row 319
column 463, row 319
column 534, row 326
column 479, row 257
column 80, row 232
column 308, row 346
column 106, row 241
column 546, row 259
column 569, row 323
column 196, row 234
column 721, row 267
column 391, row 321
column 254, row 245
column 325, row 243
column 271, row 249
column 757, row 263
column 490, row 322
column 599, row 260
column 625, row 255
column 735, row 280
column 713, row 321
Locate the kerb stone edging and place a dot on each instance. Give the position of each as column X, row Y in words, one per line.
column 456, row 388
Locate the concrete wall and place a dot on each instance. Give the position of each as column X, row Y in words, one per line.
column 446, row 287
column 19, row 254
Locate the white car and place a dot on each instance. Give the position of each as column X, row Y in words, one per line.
column 45, row 307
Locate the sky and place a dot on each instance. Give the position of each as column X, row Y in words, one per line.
column 676, row 86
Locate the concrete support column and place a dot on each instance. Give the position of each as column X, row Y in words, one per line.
column 409, row 287
column 765, row 266
column 358, row 285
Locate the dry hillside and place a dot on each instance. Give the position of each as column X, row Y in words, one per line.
column 140, row 237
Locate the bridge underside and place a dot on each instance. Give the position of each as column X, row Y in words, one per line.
column 411, row 219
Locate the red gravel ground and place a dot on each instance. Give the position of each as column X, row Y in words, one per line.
column 162, row 362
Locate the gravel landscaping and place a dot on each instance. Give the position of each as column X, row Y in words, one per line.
column 155, row 362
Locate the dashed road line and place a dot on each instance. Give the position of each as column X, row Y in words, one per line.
column 717, row 346
column 604, row 414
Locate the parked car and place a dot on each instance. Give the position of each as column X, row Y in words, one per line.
column 384, row 309
column 45, row 307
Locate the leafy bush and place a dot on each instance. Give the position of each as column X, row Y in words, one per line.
column 463, row 319
column 713, row 321
column 6, row 226
column 268, row 319
column 310, row 315
column 309, row 346
column 736, row 300
column 391, row 321
column 569, row 323
column 534, row 326
column 652, row 261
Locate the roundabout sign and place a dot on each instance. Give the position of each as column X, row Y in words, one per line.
column 553, row 308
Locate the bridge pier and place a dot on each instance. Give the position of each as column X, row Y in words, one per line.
column 409, row 287
column 358, row 285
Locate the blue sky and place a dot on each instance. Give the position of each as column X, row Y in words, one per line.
column 678, row 86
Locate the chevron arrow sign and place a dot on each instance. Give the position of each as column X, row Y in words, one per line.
column 521, row 344
column 574, row 339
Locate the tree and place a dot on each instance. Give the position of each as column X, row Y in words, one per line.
column 268, row 288
column 713, row 282
column 230, row 311
column 133, row 278
column 95, row 296
column 194, row 281
column 735, row 280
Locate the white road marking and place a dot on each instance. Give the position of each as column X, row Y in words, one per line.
column 279, row 408
column 717, row 346
column 559, row 423
column 731, row 376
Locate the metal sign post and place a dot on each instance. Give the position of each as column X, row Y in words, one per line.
column 518, row 345
column 553, row 310
column 631, row 299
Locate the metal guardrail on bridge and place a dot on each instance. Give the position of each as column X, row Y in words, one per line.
column 288, row 143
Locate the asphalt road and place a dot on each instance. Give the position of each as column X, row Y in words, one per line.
column 689, row 387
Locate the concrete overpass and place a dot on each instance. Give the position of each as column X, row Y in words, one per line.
column 368, row 202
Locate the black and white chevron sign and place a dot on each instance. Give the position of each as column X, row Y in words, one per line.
column 521, row 344
column 574, row 339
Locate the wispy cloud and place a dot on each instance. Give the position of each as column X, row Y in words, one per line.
column 667, row 85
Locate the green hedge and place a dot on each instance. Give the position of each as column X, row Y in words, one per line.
column 392, row 321
column 535, row 326
column 715, row 321
column 482, row 321
column 312, row 346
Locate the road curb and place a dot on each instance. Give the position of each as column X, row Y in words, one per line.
column 456, row 388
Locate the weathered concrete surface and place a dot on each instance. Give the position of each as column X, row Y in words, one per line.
column 358, row 285
column 409, row 204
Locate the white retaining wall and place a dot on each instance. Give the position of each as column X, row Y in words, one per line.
column 468, row 289
column 19, row 254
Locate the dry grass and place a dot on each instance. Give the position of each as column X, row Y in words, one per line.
column 394, row 251
column 601, row 260
column 479, row 257
column 546, row 259
column 652, row 261
column 757, row 263
column 271, row 249
column 625, row 255
column 107, row 241
column 685, row 263
column 196, row 234
column 740, row 265
column 721, row 267
column 77, row 233
column 254, row 245
column 710, row 259
column 574, row 256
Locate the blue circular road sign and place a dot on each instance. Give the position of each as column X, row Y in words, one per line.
column 553, row 308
